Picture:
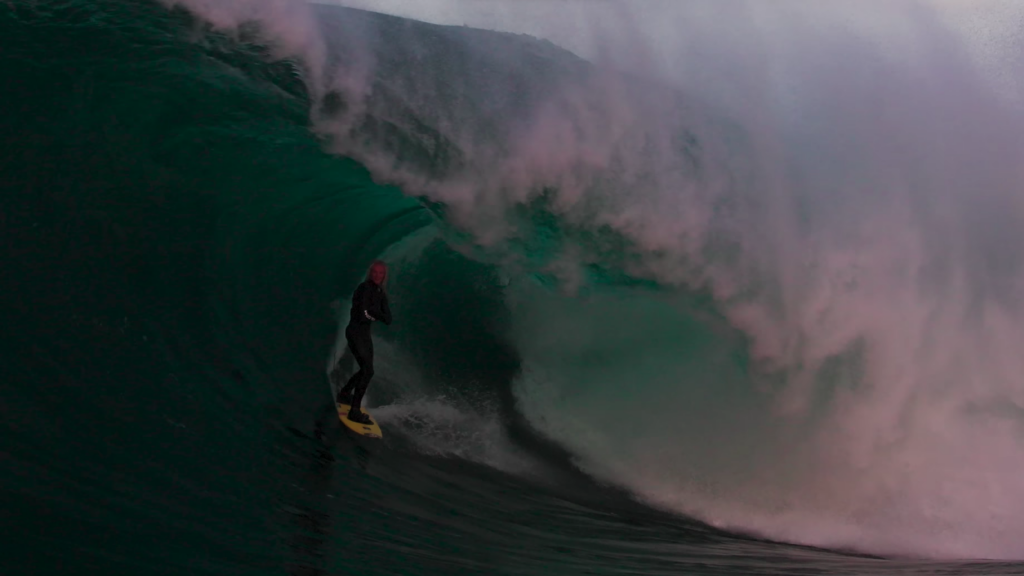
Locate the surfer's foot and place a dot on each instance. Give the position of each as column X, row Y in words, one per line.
column 359, row 417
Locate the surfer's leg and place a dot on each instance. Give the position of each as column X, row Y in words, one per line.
column 366, row 370
column 355, row 347
column 362, row 349
column 365, row 374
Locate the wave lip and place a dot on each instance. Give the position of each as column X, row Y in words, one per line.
column 618, row 283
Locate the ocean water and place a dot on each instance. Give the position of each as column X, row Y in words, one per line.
column 638, row 329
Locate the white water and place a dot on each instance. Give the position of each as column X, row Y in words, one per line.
column 880, row 282
column 873, row 233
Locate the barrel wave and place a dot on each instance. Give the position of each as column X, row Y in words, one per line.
column 613, row 351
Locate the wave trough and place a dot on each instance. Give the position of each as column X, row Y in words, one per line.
column 638, row 329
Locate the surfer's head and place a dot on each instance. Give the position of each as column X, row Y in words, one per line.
column 378, row 272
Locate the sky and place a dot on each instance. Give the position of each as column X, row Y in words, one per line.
column 991, row 29
column 985, row 21
column 881, row 205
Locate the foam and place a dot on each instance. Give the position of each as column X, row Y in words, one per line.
column 438, row 426
column 858, row 218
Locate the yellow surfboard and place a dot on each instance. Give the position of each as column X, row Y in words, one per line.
column 371, row 430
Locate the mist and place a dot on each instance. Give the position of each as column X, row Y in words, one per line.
column 870, row 156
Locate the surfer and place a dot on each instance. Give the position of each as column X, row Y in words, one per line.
column 369, row 305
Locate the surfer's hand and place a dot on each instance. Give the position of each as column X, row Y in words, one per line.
column 367, row 314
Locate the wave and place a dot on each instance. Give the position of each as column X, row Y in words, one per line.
column 796, row 318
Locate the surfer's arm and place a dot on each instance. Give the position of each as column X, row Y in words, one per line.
column 361, row 301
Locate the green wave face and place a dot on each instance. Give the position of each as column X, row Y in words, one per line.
column 577, row 380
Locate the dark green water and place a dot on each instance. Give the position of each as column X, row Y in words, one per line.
column 175, row 240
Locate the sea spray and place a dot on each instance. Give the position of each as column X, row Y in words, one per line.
column 850, row 204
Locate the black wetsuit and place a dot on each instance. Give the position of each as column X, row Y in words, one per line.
column 369, row 298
